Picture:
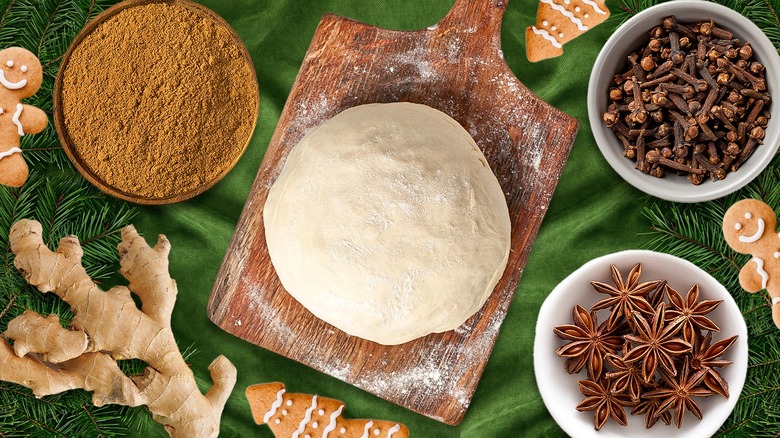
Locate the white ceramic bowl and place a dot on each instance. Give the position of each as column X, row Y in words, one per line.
column 611, row 60
column 559, row 389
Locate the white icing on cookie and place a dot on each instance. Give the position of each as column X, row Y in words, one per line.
column 365, row 431
column 10, row 152
column 306, row 418
column 595, row 6
column 566, row 14
column 393, row 430
column 332, row 425
column 15, row 118
column 10, row 63
column 23, row 69
column 761, row 272
column 546, row 35
column 775, row 300
column 545, row 23
column 777, row 254
column 11, row 85
column 759, row 232
column 274, row 406
column 748, row 215
column 738, row 226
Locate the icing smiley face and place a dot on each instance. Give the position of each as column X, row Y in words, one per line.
column 760, row 226
column 747, row 223
column 20, row 72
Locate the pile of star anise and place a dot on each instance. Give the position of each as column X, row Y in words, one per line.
column 651, row 354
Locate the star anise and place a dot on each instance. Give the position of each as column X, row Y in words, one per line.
column 678, row 395
column 605, row 401
column 657, row 297
column 692, row 311
column 649, row 407
column 625, row 297
column 590, row 342
column 656, row 343
column 627, row 377
column 705, row 357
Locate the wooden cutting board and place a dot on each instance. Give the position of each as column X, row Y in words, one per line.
column 457, row 67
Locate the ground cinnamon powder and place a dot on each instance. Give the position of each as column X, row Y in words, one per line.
column 159, row 100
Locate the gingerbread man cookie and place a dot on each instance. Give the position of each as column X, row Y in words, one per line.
column 749, row 228
column 21, row 75
column 309, row 416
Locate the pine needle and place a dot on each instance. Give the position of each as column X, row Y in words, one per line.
column 64, row 203
column 763, row 13
column 693, row 232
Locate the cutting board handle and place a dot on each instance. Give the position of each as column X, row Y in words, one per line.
column 479, row 18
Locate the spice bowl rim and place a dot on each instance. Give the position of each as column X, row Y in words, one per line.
column 559, row 390
column 611, row 59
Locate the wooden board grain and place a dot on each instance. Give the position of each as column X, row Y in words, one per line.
column 457, row 67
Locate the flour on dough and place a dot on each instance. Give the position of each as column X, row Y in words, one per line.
column 387, row 222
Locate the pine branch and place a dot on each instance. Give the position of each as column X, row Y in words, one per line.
column 59, row 197
column 66, row 204
column 693, row 231
column 764, row 13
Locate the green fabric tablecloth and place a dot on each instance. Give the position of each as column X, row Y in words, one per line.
column 593, row 212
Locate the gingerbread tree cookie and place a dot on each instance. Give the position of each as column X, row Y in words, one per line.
column 310, row 416
column 20, row 76
column 749, row 228
column 558, row 22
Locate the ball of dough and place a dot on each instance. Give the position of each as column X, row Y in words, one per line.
column 387, row 222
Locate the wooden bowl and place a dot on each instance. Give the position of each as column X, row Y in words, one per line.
column 62, row 129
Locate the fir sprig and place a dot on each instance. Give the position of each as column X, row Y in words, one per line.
column 764, row 13
column 694, row 232
column 64, row 203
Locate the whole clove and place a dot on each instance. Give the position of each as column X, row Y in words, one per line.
column 693, row 101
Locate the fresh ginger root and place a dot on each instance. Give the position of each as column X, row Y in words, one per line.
column 108, row 326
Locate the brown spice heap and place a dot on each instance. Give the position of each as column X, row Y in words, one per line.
column 159, row 100
column 693, row 100
column 649, row 355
